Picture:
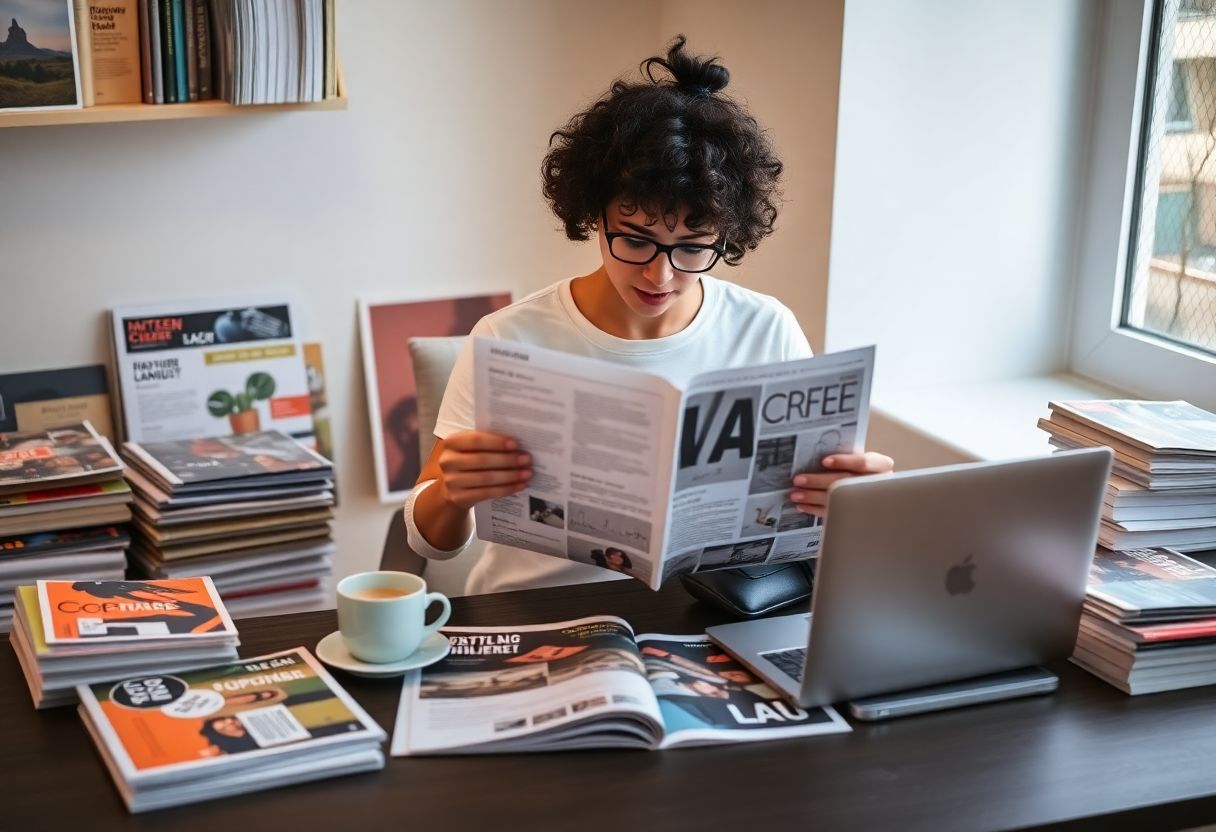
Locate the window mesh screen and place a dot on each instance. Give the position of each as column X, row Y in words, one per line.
column 1171, row 290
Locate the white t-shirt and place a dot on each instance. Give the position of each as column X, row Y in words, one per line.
column 735, row 327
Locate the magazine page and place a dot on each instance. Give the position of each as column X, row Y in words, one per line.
column 705, row 696
column 601, row 438
column 181, row 726
column 1154, row 426
column 55, row 457
column 90, row 538
column 744, row 434
column 211, row 367
column 530, row 688
column 1140, row 581
column 52, row 499
column 107, row 611
column 218, row 458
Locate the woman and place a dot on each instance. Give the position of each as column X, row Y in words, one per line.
column 672, row 177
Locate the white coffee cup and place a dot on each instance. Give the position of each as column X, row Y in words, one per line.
column 382, row 615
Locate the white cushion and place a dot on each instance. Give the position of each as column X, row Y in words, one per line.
column 433, row 361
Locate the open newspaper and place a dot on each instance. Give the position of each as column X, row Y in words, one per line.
column 589, row 683
column 634, row 474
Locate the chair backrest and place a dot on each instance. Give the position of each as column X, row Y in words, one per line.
column 397, row 556
column 433, row 359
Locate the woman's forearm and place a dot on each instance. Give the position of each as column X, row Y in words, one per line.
column 444, row 525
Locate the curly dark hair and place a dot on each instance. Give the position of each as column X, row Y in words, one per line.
column 670, row 142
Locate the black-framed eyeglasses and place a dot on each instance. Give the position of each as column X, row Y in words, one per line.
column 683, row 257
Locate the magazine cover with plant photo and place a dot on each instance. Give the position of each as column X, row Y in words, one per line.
column 211, row 367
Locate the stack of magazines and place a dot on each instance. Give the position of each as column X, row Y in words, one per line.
column 228, row 729
column 250, row 510
column 62, row 498
column 69, row 633
column 1149, row 621
column 1162, row 491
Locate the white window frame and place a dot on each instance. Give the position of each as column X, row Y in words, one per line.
column 1100, row 347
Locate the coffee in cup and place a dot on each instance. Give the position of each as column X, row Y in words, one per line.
column 382, row 615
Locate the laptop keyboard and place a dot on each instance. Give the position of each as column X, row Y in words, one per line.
column 790, row 662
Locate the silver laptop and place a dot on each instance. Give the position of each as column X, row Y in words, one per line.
column 936, row 575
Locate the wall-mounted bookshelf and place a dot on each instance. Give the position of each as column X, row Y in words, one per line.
column 112, row 113
column 178, row 49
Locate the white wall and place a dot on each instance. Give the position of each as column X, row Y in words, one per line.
column 960, row 141
column 427, row 185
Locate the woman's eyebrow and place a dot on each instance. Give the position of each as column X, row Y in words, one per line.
column 646, row 232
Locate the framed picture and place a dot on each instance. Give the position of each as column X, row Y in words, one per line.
column 39, row 68
column 386, row 327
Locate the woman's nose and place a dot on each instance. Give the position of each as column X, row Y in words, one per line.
column 659, row 271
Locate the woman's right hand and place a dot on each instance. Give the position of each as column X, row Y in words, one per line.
column 473, row 466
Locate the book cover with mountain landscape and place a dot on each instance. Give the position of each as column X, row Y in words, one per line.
column 38, row 64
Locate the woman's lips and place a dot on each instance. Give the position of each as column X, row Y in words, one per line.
column 653, row 298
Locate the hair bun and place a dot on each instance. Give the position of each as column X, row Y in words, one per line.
column 690, row 73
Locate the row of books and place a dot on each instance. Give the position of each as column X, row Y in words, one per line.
column 1149, row 620
column 176, row 716
column 63, row 503
column 252, row 511
column 177, row 51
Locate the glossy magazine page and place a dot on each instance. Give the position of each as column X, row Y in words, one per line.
column 55, row 457
column 216, row 458
column 179, row 727
column 108, row 611
column 577, row 683
column 707, row 697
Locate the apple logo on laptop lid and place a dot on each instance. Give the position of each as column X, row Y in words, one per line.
column 960, row 579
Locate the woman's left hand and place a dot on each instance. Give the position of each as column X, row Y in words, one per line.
column 810, row 493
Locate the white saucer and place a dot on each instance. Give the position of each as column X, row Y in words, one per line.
column 332, row 650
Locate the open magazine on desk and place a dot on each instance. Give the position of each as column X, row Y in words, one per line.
column 634, row 474
column 589, row 683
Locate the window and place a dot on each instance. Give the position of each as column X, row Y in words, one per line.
column 1178, row 107
column 1171, row 286
column 1145, row 308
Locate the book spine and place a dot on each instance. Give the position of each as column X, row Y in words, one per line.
column 202, row 28
column 116, row 52
column 168, row 51
column 191, row 49
column 152, row 7
column 84, row 51
column 181, row 72
column 331, row 69
column 145, row 55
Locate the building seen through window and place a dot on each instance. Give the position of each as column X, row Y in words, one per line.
column 1171, row 286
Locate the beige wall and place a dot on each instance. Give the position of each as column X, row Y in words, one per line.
column 427, row 186
column 785, row 61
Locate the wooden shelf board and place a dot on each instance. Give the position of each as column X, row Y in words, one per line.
column 109, row 113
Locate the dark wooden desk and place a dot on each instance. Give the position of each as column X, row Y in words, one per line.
column 1087, row 757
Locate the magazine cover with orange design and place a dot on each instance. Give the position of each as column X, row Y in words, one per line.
column 99, row 611
column 168, row 725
